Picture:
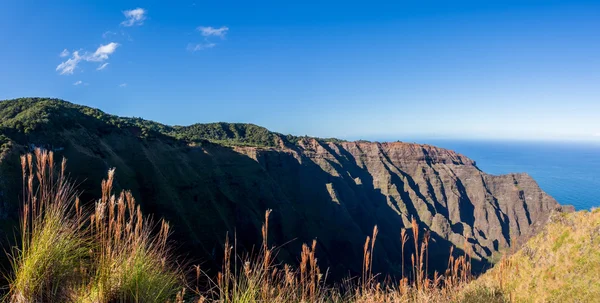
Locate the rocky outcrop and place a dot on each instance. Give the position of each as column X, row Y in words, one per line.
column 333, row 191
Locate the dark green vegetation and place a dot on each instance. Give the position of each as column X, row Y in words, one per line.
column 212, row 179
column 28, row 115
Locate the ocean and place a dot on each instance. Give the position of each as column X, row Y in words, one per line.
column 569, row 172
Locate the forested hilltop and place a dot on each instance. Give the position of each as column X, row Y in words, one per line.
column 27, row 115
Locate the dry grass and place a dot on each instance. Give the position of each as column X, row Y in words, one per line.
column 131, row 264
column 561, row 264
column 258, row 279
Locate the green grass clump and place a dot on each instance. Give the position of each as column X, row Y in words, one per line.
column 52, row 248
column 67, row 254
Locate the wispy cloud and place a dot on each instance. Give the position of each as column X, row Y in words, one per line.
column 64, row 53
column 122, row 35
column 102, row 66
column 78, row 82
column 108, row 34
column 209, row 31
column 123, row 85
column 69, row 66
column 101, row 54
column 199, row 46
column 134, row 17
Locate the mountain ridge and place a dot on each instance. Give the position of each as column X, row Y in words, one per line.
column 214, row 179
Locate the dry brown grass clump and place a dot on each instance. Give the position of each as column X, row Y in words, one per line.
column 259, row 279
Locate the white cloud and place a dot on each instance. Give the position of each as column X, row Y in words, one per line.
column 200, row 46
column 102, row 66
column 597, row 135
column 64, row 53
column 123, row 85
column 134, row 17
column 209, row 31
column 101, row 54
column 68, row 67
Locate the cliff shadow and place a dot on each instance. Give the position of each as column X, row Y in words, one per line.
column 362, row 206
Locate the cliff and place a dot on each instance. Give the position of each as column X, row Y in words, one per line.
column 212, row 179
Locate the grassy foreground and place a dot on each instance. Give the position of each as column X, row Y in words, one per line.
column 561, row 264
column 110, row 252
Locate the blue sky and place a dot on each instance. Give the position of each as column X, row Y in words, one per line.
column 357, row 70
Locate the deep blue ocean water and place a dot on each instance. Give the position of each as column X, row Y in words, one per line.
column 569, row 172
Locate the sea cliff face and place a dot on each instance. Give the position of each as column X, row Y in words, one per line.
column 328, row 190
column 359, row 185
